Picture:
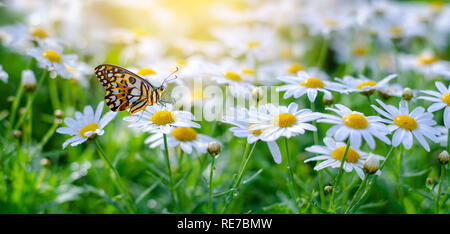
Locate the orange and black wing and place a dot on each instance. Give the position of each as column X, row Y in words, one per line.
column 124, row 89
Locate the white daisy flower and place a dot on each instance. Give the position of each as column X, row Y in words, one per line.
column 28, row 80
column 185, row 137
column 405, row 124
column 333, row 153
column 390, row 90
column 85, row 125
column 426, row 63
column 441, row 100
column 258, row 42
column 364, row 85
column 267, row 73
column 282, row 121
column 324, row 21
column 355, row 126
column 240, row 120
column 53, row 60
column 3, row 75
column 23, row 37
column 160, row 118
column 237, row 78
column 79, row 72
column 443, row 138
column 309, row 84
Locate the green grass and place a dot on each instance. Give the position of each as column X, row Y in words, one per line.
column 38, row 176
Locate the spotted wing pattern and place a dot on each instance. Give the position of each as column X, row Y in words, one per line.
column 124, row 89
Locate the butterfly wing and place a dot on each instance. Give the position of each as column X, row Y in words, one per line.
column 124, row 89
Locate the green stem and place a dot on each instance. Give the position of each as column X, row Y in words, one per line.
column 54, row 97
column 356, row 195
column 319, row 172
column 30, row 125
column 237, row 183
column 448, row 141
column 230, row 193
column 169, row 170
column 397, row 64
column 370, row 184
column 323, row 53
column 46, row 137
column 316, row 133
column 339, row 175
column 210, row 185
column 399, row 175
column 118, row 181
column 180, row 160
column 441, row 181
column 30, row 101
column 241, row 174
column 291, row 176
column 14, row 108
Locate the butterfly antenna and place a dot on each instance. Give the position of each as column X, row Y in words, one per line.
column 175, row 77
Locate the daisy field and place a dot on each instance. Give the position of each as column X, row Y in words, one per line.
column 218, row 107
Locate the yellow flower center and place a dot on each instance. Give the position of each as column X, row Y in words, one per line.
column 366, row 83
column 426, row 59
column 406, row 122
column 38, row 32
column 146, row 71
column 162, row 117
column 294, row 68
column 446, row 98
column 232, row 76
column 88, row 128
column 248, row 71
column 312, row 82
column 253, row 44
column 284, row 120
column 437, row 5
column 52, row 56
column 181, row 63
column 355, row 121
column 352, row 155
column 359, row 50
column 184, row 134
column 256, row 132
column 330, row 22
column 396, row 31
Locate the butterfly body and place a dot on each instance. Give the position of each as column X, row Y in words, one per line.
column 124, row 89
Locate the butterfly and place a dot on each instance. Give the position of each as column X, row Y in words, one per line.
column 124, row 89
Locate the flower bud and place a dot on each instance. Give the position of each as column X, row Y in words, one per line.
column 59, row 114
column 429, row 181
column 384, row 95
column 17, row 134
column 28, row 80
column 328, row 102
column 407, row 94
column 258, row 93
column 213, row 148
column 328, row 189
column 443, row 157
column 22, row 110
column 371, row 165
column 53, row 74
column 45, row 162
